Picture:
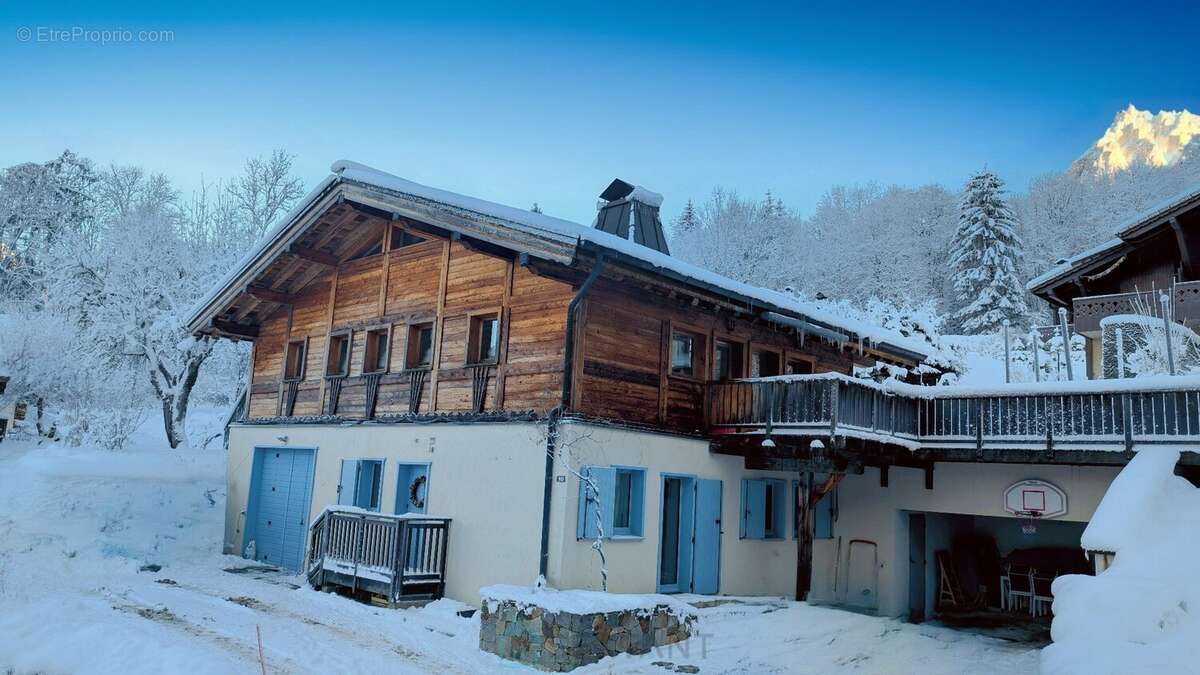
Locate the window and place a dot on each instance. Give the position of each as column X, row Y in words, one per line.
column 293, row 368
column 824, row 514
column 619, row 496
column 764, row 364
column 727, row 364
column 683, row 354
column 402, row 237
column 361, row 483
column 799, row 367
column 483, row 344
column 764, row 508
column 338, row 362
column 420, row 346
column 376, row 360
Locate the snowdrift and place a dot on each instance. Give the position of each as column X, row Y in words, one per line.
column 1141, row 615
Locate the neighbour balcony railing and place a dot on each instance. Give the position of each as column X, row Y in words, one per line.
column 398, row 557
column 1094, row 414
column 1089, row 310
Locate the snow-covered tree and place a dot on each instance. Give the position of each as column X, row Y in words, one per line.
column 535, row 208
column 687, row 221
column 985, row 258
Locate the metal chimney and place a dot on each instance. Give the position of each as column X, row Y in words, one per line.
column 625, row 206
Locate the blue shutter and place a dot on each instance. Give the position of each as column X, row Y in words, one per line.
column 606, row 485
column 754, row 501
column 348, row 482
column 823, row 527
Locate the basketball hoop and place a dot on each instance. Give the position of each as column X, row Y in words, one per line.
column 1029, row 522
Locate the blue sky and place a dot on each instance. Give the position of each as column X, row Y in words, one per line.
column 549, row 102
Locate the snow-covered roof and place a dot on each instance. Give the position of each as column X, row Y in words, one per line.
column 569, row 232
column 1127, row 229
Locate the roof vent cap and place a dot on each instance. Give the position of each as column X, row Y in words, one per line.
column 625, row 208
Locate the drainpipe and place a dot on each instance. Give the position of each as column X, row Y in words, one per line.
column 552, row 422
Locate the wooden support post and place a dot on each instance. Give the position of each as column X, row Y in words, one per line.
column 883, row 475
column 929, row 476
column 806, row 502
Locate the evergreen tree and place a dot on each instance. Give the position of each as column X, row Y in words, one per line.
column 687, row 221
column 536, row 208
column 985, row 257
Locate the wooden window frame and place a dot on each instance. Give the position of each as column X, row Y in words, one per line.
column 368, row 362
column 700, row 359
column 740, row 348
column 475, row 319
column 759, row 347
column 791, row 357
column 409, row 346
column 348, row 335
column 287, row 353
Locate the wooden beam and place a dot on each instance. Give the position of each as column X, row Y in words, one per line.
column 314, row 256
column 1185, row 256
column 269, row 295
column 235, row 329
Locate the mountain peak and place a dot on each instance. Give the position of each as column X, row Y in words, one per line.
column 1139, row 137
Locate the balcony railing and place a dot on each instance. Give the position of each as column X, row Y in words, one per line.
column 1089, row 310
column 396, row 557
column 1094, row 414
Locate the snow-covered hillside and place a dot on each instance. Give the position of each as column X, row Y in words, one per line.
column 111, row 564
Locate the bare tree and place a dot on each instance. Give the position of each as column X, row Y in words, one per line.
column 265, row 190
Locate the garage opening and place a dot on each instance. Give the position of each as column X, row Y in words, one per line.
column 988, row 574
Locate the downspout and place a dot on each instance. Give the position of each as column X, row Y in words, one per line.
column 552, row 421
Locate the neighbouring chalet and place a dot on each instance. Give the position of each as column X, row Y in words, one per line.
column 1154, row 253
column 446, row 369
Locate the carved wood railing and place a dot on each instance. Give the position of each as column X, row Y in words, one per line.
column 1089, row 310
column 479, row 384
column 333, row 391
column 371, row 382
column 416, row 387
column 288, row 403
column 1093, row 414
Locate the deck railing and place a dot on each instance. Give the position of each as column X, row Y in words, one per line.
column 1096, row 415
column 398, row 557
column 1089, row 310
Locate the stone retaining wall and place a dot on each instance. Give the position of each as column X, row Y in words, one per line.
column 562, row 641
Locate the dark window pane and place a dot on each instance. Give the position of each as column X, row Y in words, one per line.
column 769, row 510
column 682, row 354
column 489, row 339
column 425, row 346
column 624, row 494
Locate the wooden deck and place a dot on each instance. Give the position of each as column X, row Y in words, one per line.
column 1096, row 422
column 395, row 558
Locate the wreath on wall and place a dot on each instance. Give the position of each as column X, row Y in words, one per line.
column 414, row 490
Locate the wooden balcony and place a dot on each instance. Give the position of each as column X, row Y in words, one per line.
column 394, row 558
column 1105, row 419
column 1089, row 310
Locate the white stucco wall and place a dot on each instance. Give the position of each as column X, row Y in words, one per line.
column 487, row 477
column 747, row 567
column 870, row 512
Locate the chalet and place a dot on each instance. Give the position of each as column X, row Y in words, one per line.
column 1154, row 253
column 481, row 391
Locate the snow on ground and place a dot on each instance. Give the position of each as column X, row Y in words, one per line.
column 1139, row 615
column 79, row 526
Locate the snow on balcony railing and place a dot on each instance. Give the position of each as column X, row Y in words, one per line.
column 1098, row 414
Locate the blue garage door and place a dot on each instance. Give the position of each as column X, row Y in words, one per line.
column 279, row 503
